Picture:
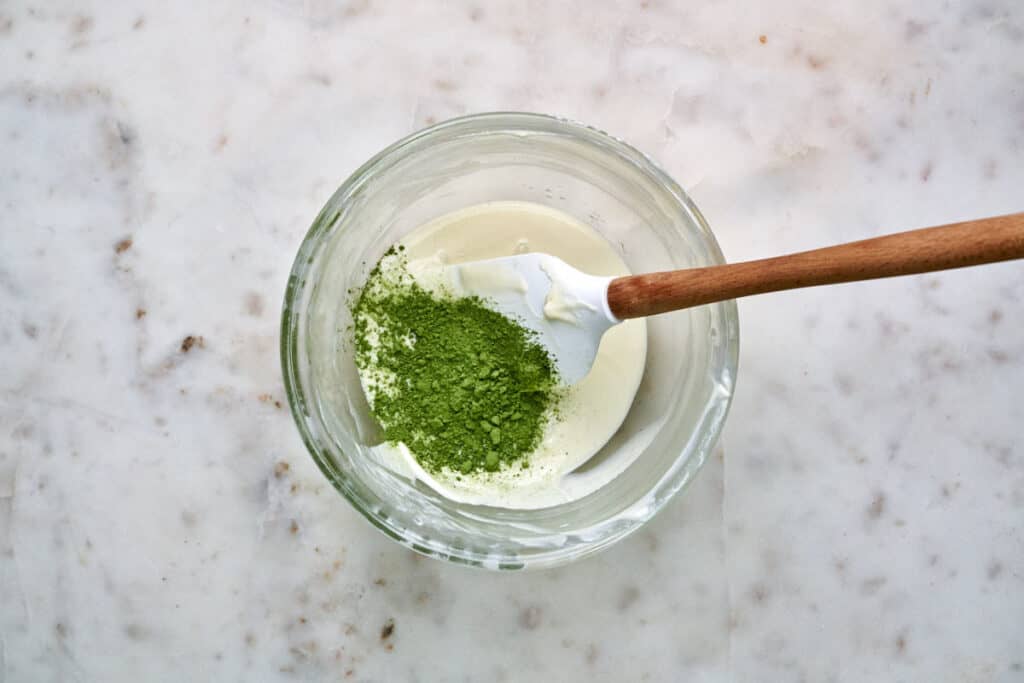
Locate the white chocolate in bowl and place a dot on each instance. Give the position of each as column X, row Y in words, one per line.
column 592, row 410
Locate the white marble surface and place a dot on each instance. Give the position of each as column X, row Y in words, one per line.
column 159, row 518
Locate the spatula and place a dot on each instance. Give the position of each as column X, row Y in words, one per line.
column 571, row 310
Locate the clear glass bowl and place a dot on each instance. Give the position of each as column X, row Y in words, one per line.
column 691, row 364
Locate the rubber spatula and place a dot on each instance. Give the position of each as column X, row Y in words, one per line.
column 571, row 310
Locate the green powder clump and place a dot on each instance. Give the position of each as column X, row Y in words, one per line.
column 464, row 387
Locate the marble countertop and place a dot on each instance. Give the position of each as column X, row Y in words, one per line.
column 159, row 517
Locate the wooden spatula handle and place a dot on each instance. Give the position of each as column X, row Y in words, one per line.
column 956, row 245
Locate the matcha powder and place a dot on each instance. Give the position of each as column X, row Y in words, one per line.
column 464, row 387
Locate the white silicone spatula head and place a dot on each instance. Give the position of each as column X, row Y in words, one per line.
column 566, row 308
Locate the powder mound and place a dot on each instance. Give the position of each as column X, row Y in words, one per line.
column 464, row 387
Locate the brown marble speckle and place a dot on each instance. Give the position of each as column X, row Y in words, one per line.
column 530, row 617
column 140, row 313
column 887, row 326
column 947, row 490
column 281, row 469
column 816, row 63
column 876, row 508
column 734, row 622
column 836, row 120
column 81, row 24
column 995, row 316
column 321, row 78
column 189, row 518
column 1002, row 454
column 759, row 593
column 253, row 304
column 356, row 7
column 136, row 631
column 862, row 142
column 998, row 356
column 901, row 643
column 138, row 23
column 914, row 29
column 268, row 398
column 388, row 629
column 24, row 431
column 125, row 133
column 892, row 450
column 123, row 245
column 872, row 585
column 192, row 341
column 627, row 597
column 763, row 39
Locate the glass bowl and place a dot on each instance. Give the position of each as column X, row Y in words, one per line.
column 687, row 385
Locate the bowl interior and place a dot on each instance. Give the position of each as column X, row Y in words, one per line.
column 691, row 363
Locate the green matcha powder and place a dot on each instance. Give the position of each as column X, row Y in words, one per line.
column 464, row 387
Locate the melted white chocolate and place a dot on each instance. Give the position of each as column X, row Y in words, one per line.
column 592, row 410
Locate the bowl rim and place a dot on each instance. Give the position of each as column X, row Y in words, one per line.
column 290, row 318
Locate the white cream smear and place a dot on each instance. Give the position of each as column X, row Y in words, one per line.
column 592, row 410
column 558, row 304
